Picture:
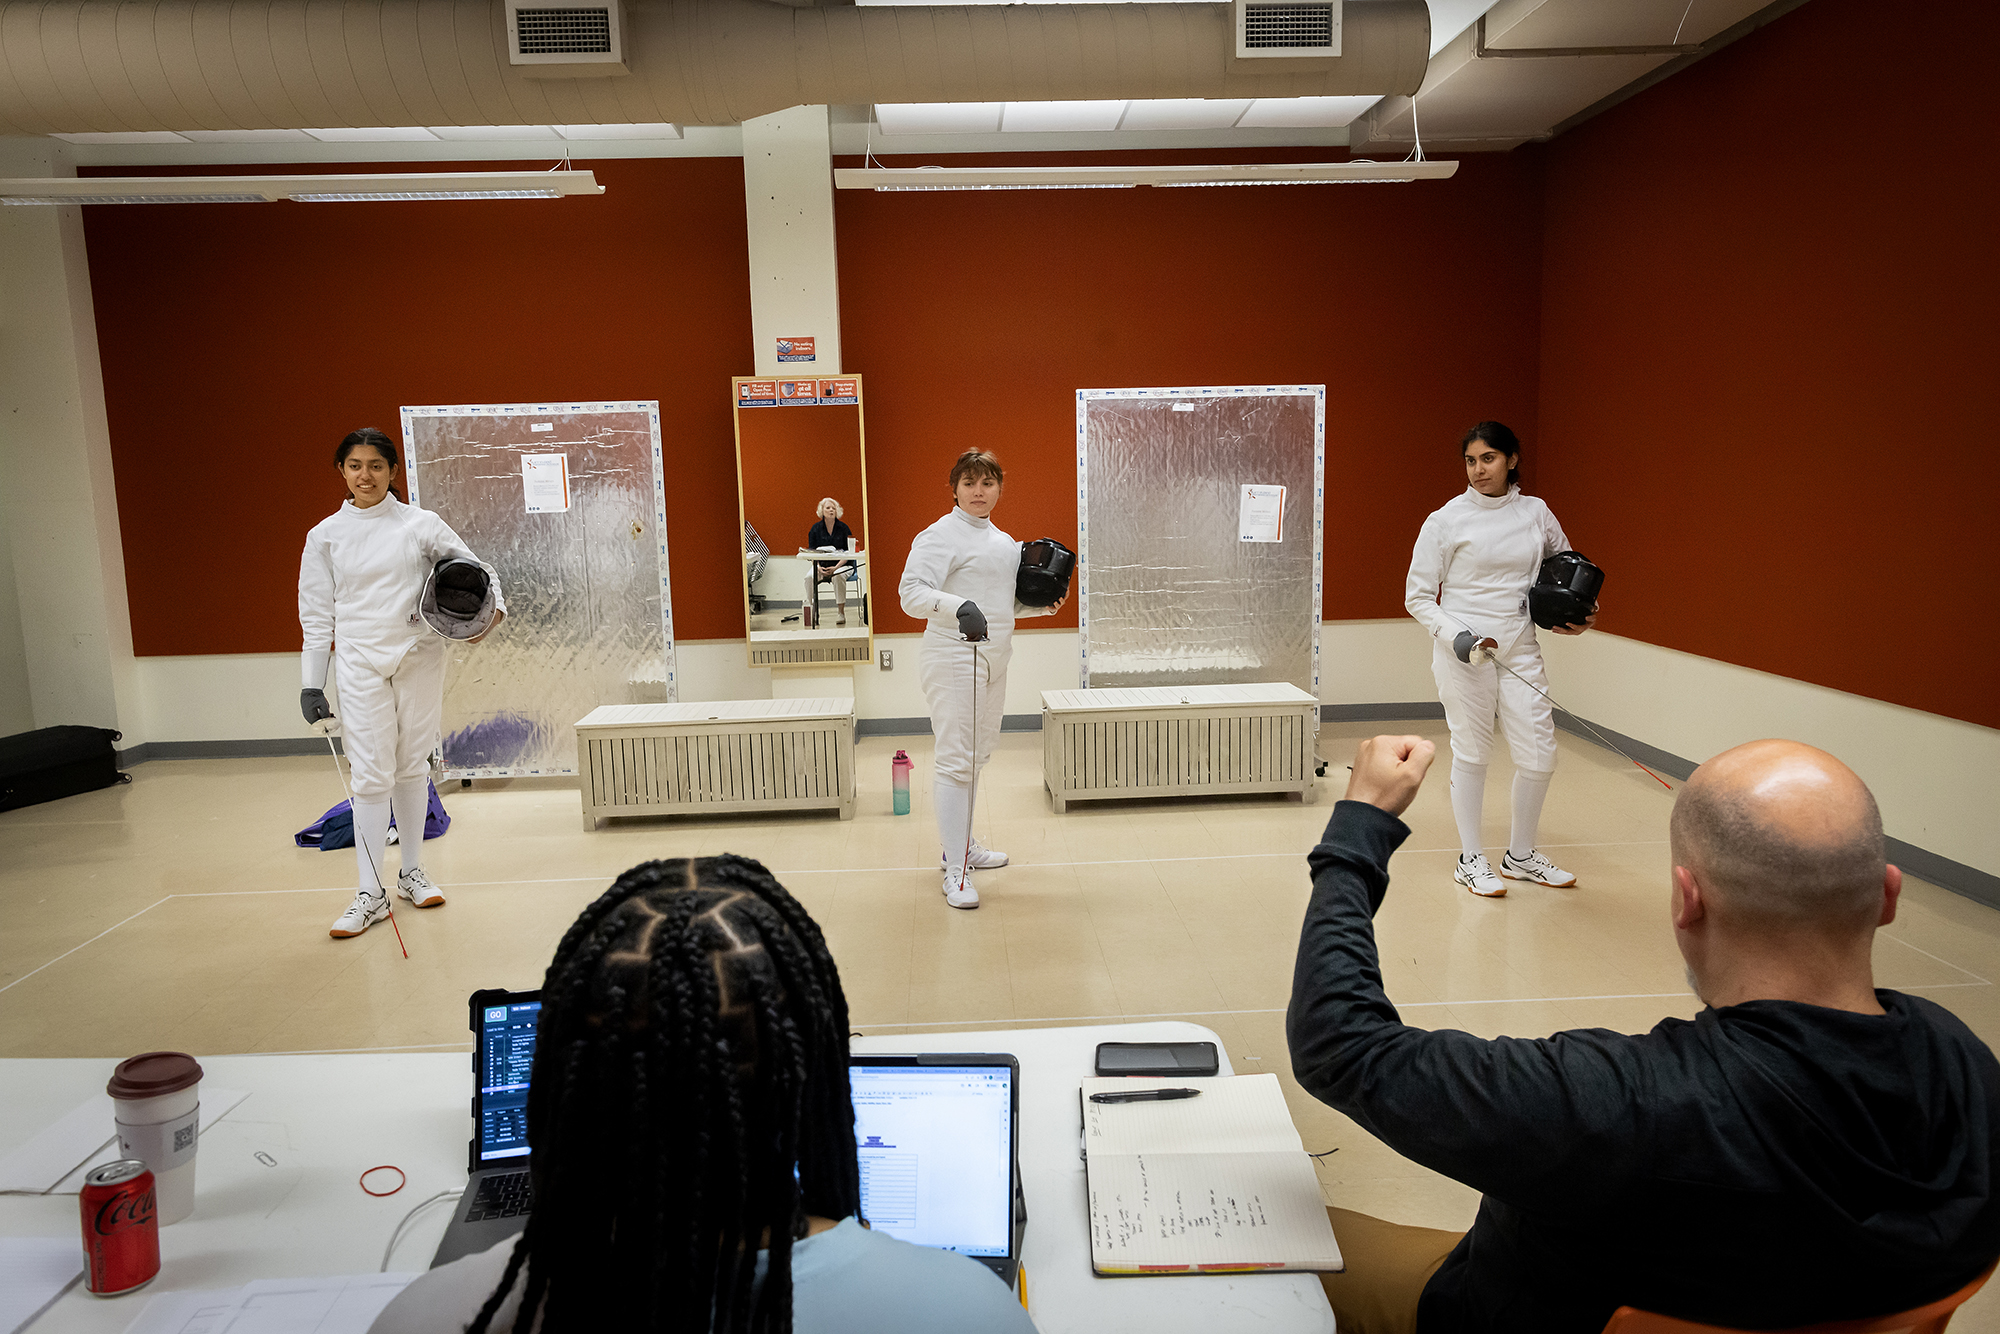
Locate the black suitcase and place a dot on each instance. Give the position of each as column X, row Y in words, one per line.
column 56, row 762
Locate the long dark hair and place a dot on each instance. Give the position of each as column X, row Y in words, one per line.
column 1501, row 437
column 380, row 442
column 689, row 1096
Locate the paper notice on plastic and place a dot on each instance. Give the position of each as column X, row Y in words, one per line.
column 545, row 483
column 1261, row 515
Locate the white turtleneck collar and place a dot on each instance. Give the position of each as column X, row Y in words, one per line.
column 972, row 519
column 1491, row 502
column 386, row 505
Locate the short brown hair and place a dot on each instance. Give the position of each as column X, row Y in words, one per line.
column 976, row 464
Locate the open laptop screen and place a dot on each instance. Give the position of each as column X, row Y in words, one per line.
column 936, row 1146
column 506, row 1056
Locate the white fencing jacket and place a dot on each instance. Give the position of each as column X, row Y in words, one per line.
column 962, row 559
column 1474, row 562
column 361, row 577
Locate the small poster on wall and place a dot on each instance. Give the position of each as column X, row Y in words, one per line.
column 1261, row 514
column 545, row 483
column 796, row 349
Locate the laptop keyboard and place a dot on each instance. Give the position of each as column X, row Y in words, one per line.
column 500, row 1196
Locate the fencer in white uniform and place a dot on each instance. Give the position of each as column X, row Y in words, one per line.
column 1474, row 562
column 360, row 580
column 960, row 579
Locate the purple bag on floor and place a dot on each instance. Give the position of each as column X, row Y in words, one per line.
column 335, row 829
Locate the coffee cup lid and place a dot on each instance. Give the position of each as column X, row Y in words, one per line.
column 153, row 1074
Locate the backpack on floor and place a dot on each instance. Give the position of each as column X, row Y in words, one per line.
column 335, row 829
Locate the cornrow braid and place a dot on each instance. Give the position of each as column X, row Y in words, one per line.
column 692, row 1019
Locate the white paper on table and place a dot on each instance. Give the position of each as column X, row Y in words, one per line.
column 185, row 1313
column 34, row 1271
column 545, row 483
column 346, row 1305
column 1261, row 514
column 215, row 1104
column 60, row 1149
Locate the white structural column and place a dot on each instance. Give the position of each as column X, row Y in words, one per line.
column 58, row 510
column 788, row 193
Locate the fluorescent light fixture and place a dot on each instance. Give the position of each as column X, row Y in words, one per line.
column 303, row 189
column 656, row 130
column 122, row 137
column 490, row 132
column 1304, row 112
column 379, row 134
column 1078, row 185
column 1020, row 178
column 939, row 117
column 1060, row 117
column 1184, row 113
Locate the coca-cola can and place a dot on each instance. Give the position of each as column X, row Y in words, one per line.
column 121, row 1231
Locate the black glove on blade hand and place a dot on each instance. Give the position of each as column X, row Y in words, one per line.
column 971, row 621
column 312, row 703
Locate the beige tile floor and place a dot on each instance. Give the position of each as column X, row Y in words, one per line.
column 176, row 913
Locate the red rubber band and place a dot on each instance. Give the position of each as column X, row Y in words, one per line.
column 362, row 1181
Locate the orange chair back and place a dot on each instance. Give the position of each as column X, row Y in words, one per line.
column 1927, row 1319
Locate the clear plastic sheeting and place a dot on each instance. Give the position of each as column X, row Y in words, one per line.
column 1170, row 593
column 580, row 542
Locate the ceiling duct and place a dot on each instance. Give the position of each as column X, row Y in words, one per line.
column 80, row 66
column 551, row 41
column 1266, row 28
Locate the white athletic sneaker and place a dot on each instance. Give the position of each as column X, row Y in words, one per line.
column 958, row 890
column 1476, row 874
column 1537, row 868
column 982, row 859
column 418, row 889
column 369, row 907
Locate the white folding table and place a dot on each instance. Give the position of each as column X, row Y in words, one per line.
column 322, row 1120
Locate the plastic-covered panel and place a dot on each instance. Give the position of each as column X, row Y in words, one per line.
column 1170, row 595
column 588, row 615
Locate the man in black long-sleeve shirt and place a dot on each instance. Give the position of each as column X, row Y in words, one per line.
column 1808, row 1149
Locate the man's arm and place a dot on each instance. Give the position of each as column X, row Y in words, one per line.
column 1528, row 1121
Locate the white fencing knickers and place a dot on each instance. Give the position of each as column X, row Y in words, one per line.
column 1473, row 697
column 389, row 724
column 948, row 671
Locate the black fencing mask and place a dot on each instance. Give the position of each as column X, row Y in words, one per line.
column 1043, row 580
column 458, row 599
column 1565, row 592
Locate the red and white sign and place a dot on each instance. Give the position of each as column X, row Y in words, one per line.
column 839, row 391
column 795, row 349
column 757, row 393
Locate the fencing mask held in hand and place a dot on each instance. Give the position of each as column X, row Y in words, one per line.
column 1565, row 593
column 1043, row 579
column 458, row 599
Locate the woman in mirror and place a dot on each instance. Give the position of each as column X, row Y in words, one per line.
column 960, row 578
column 828, row 533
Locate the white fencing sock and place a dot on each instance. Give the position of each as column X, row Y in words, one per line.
column 954, row 819
column 371, row 839
column 1531, row 789
column 1468, row 794
column 412, row 803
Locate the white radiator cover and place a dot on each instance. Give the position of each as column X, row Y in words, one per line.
column 1156, row 741
column 730, row 755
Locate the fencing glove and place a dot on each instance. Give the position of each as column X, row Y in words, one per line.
column 1470, row 648
column 971, row 621
column 312, row 703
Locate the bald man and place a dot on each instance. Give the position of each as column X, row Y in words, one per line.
column 1808, row 1149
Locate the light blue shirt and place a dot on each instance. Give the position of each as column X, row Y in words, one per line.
column 846, row 1280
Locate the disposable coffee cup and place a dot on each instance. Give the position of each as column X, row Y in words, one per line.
column 854, row 544
column 157, row 1100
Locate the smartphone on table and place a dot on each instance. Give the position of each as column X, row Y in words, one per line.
column 1163, row 1059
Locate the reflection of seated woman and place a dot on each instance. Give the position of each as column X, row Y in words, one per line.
column 694, row 1164
column 829, row 531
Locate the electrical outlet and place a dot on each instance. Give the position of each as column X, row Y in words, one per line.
column 888, row 657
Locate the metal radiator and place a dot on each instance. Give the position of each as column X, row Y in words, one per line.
column 1177, row 741
column 664, row 759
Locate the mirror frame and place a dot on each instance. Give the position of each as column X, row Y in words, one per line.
column 805, row 639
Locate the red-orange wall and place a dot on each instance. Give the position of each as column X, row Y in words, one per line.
column 977, row 317
column 1770, row 369
column 240, row 342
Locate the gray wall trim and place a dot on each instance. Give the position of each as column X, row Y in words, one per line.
column 1010, row 722
column 262, row 748
column 1652, row 757
column 1415, row 710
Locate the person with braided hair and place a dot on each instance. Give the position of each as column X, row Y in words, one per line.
column 694, row 1162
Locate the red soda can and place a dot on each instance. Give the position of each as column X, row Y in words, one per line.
column 121, row 1231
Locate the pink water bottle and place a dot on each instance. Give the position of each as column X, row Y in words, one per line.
column 899, row 776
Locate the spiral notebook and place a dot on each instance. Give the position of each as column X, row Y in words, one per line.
column 1218, row 1183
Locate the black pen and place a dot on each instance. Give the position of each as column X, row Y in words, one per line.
column 1146, row 1095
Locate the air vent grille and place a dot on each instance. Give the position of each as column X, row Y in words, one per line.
column 580, row 31
column 1288, row 25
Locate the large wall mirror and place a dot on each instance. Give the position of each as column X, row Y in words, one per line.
column 807, row 568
